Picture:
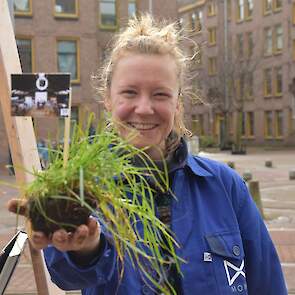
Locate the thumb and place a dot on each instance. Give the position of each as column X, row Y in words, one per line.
column 18, row 206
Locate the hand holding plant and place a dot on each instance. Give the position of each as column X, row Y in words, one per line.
column 100, row 179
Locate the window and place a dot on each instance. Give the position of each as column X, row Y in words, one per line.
column 216, row 124
column 273, row 40
column 268, row 123
column 277, row 4
column 249, row 9
column 291, row 119
column 229, row 9
column 267, row 41
column 231, row 123
column 279, row 124
column 199, row 20
column 243, row 124
column 250, row 81
column 22, row 7
column 247, row 124
column 240, row 87
column 278, row 81
column 212, row 36
column 278, row 38
column 267, row 6
column 108, row 15
column 240, row 10
column 196, row 21
column 24, row 47
column 212, row 66
column 131, row 8
column 193, row 21
column 197, row 125
column 66, row 8
column 272, row 5
column 194, row 124
column 267, row 82
column 201, row 124
column 212, row 8
column 240, row 46
column 68, row 62
column 250, row 124
column 250, row 44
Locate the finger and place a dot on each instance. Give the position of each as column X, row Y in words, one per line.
column 61, row 240
column 80, row 236
column 93, row 226
column 39, row 240
column 17, row 206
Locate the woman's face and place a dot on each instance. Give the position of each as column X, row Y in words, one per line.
column 143, row 99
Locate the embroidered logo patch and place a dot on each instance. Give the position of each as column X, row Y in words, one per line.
column 233, row 272
column 207, row 257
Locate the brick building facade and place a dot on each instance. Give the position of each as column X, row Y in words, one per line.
column 244, row 69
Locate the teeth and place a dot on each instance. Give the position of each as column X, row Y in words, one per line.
column 143, row 126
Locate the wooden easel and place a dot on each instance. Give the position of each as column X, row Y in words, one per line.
column 20, row 135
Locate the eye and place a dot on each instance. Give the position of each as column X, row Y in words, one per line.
column 161, row 95
column 129, row 93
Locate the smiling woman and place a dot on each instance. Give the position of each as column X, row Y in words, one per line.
column 142, row 84
column 222, row 242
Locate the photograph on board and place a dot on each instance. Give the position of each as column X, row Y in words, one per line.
column 40, row 95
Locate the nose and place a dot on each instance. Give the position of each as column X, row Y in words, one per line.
column 144, row 105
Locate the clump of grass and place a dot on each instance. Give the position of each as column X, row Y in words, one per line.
column 100, row 167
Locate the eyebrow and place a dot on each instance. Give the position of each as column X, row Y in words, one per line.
column 162, row 88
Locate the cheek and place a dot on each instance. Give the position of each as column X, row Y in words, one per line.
column 121, row 111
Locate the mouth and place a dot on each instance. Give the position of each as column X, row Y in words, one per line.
column 142, row 126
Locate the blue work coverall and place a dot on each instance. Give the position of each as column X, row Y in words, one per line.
column 222, row 236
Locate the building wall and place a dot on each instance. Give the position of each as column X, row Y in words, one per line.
column 258, row 104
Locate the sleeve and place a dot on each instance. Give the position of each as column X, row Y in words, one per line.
column 67, row 275
column 263, row 269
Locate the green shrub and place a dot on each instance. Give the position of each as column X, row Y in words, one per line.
column 207, row 141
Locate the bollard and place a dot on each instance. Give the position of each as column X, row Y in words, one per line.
column 247, row 175
column 292, row 174
column 255, row 193
column 268, row 163
column 193, row 145
column 231, row 164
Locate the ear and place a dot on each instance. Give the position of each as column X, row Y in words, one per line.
column 179, row 100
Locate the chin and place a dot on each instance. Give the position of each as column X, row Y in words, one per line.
column 142, row 141
column 155, row 147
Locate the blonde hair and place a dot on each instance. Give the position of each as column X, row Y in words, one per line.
column 147, row 36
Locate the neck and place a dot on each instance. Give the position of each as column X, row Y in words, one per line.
column 155, row 153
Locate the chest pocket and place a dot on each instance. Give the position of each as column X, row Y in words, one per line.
column 226, row 257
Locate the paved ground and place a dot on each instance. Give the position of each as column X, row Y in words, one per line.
column 278, row 198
